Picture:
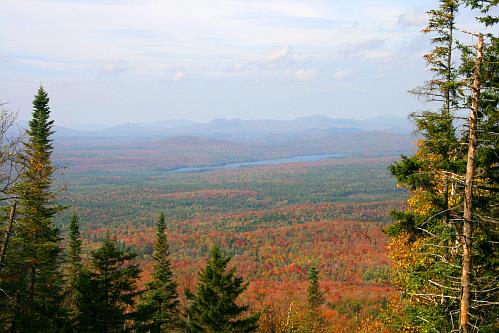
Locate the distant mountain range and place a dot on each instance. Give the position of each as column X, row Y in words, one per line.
column 239, row 129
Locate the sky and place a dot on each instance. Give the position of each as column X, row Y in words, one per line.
column 118, row 61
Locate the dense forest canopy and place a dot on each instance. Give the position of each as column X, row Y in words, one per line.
column 330, row 245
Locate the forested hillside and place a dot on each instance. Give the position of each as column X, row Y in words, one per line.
column 276, row 221
column 306, row 229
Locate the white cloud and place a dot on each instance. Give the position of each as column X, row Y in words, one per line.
column 305, row 75
column 384, row 56
column 412, row 18
column 178, row 75
column 153, row 33
column 277, row 55
column 360, row 47
column 276, row 58
column 342, row 74
column 44, row 64
column 115, row 67
column 163, row 41
column 291, row 9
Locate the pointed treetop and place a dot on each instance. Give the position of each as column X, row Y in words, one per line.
column 40, row 127
column 74, row 244
column 214, row 307
column 161, row 255
column 158, row 310
column 315, row 295
column 160, row 232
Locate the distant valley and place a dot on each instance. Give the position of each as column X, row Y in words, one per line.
column 172, row 145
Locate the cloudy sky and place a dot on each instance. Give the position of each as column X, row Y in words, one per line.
column 116, row 61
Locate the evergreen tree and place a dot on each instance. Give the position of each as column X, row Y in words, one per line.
column 73, row 267
column 35, row 252
column 428, row 239
column 74, row 248
column 213, row 308
column 315, row 296
column 428, row 224
column 158, row 309
column 314, row 323
column 106, row 291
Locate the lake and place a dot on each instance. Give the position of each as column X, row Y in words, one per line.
column 277, row 161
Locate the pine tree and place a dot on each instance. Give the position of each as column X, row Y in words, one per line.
column 429, row 241
column 38, row 278
column 73, row 267
column 158, row 309
column 74, row 248
column 106, row 291
column 314, row 323
column 315, row 296
column 427, row 175
column 213, row 308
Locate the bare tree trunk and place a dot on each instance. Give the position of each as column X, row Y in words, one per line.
column 5, row 244
column 467, row 237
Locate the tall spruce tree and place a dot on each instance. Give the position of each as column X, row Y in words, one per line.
column 36, row 247
column 73, row 268
column 158, row 310
column 106, row 291
column 428, row 237
column 213, row 308
column 427, row 224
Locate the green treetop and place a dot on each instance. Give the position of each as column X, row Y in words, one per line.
column 315, row 296
column 39, row 280
column 158, row 309
column 107, row 291
column 429, row 235
column 214, row 308
column 74, row 244
column 313, row 322
column 73, row 267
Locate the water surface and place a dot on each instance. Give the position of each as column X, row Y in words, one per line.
column 277, row 161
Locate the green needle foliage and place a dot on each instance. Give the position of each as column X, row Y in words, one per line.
column 213, row 308
column 315, row 295
column 107, row 290
column 158, row 310
column 35, row 254
column 428, row 235
column 314, row 323
column 73, row 267
column 74, row 249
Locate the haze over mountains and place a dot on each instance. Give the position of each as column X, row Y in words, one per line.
column 238, row 128
column 176, row 144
